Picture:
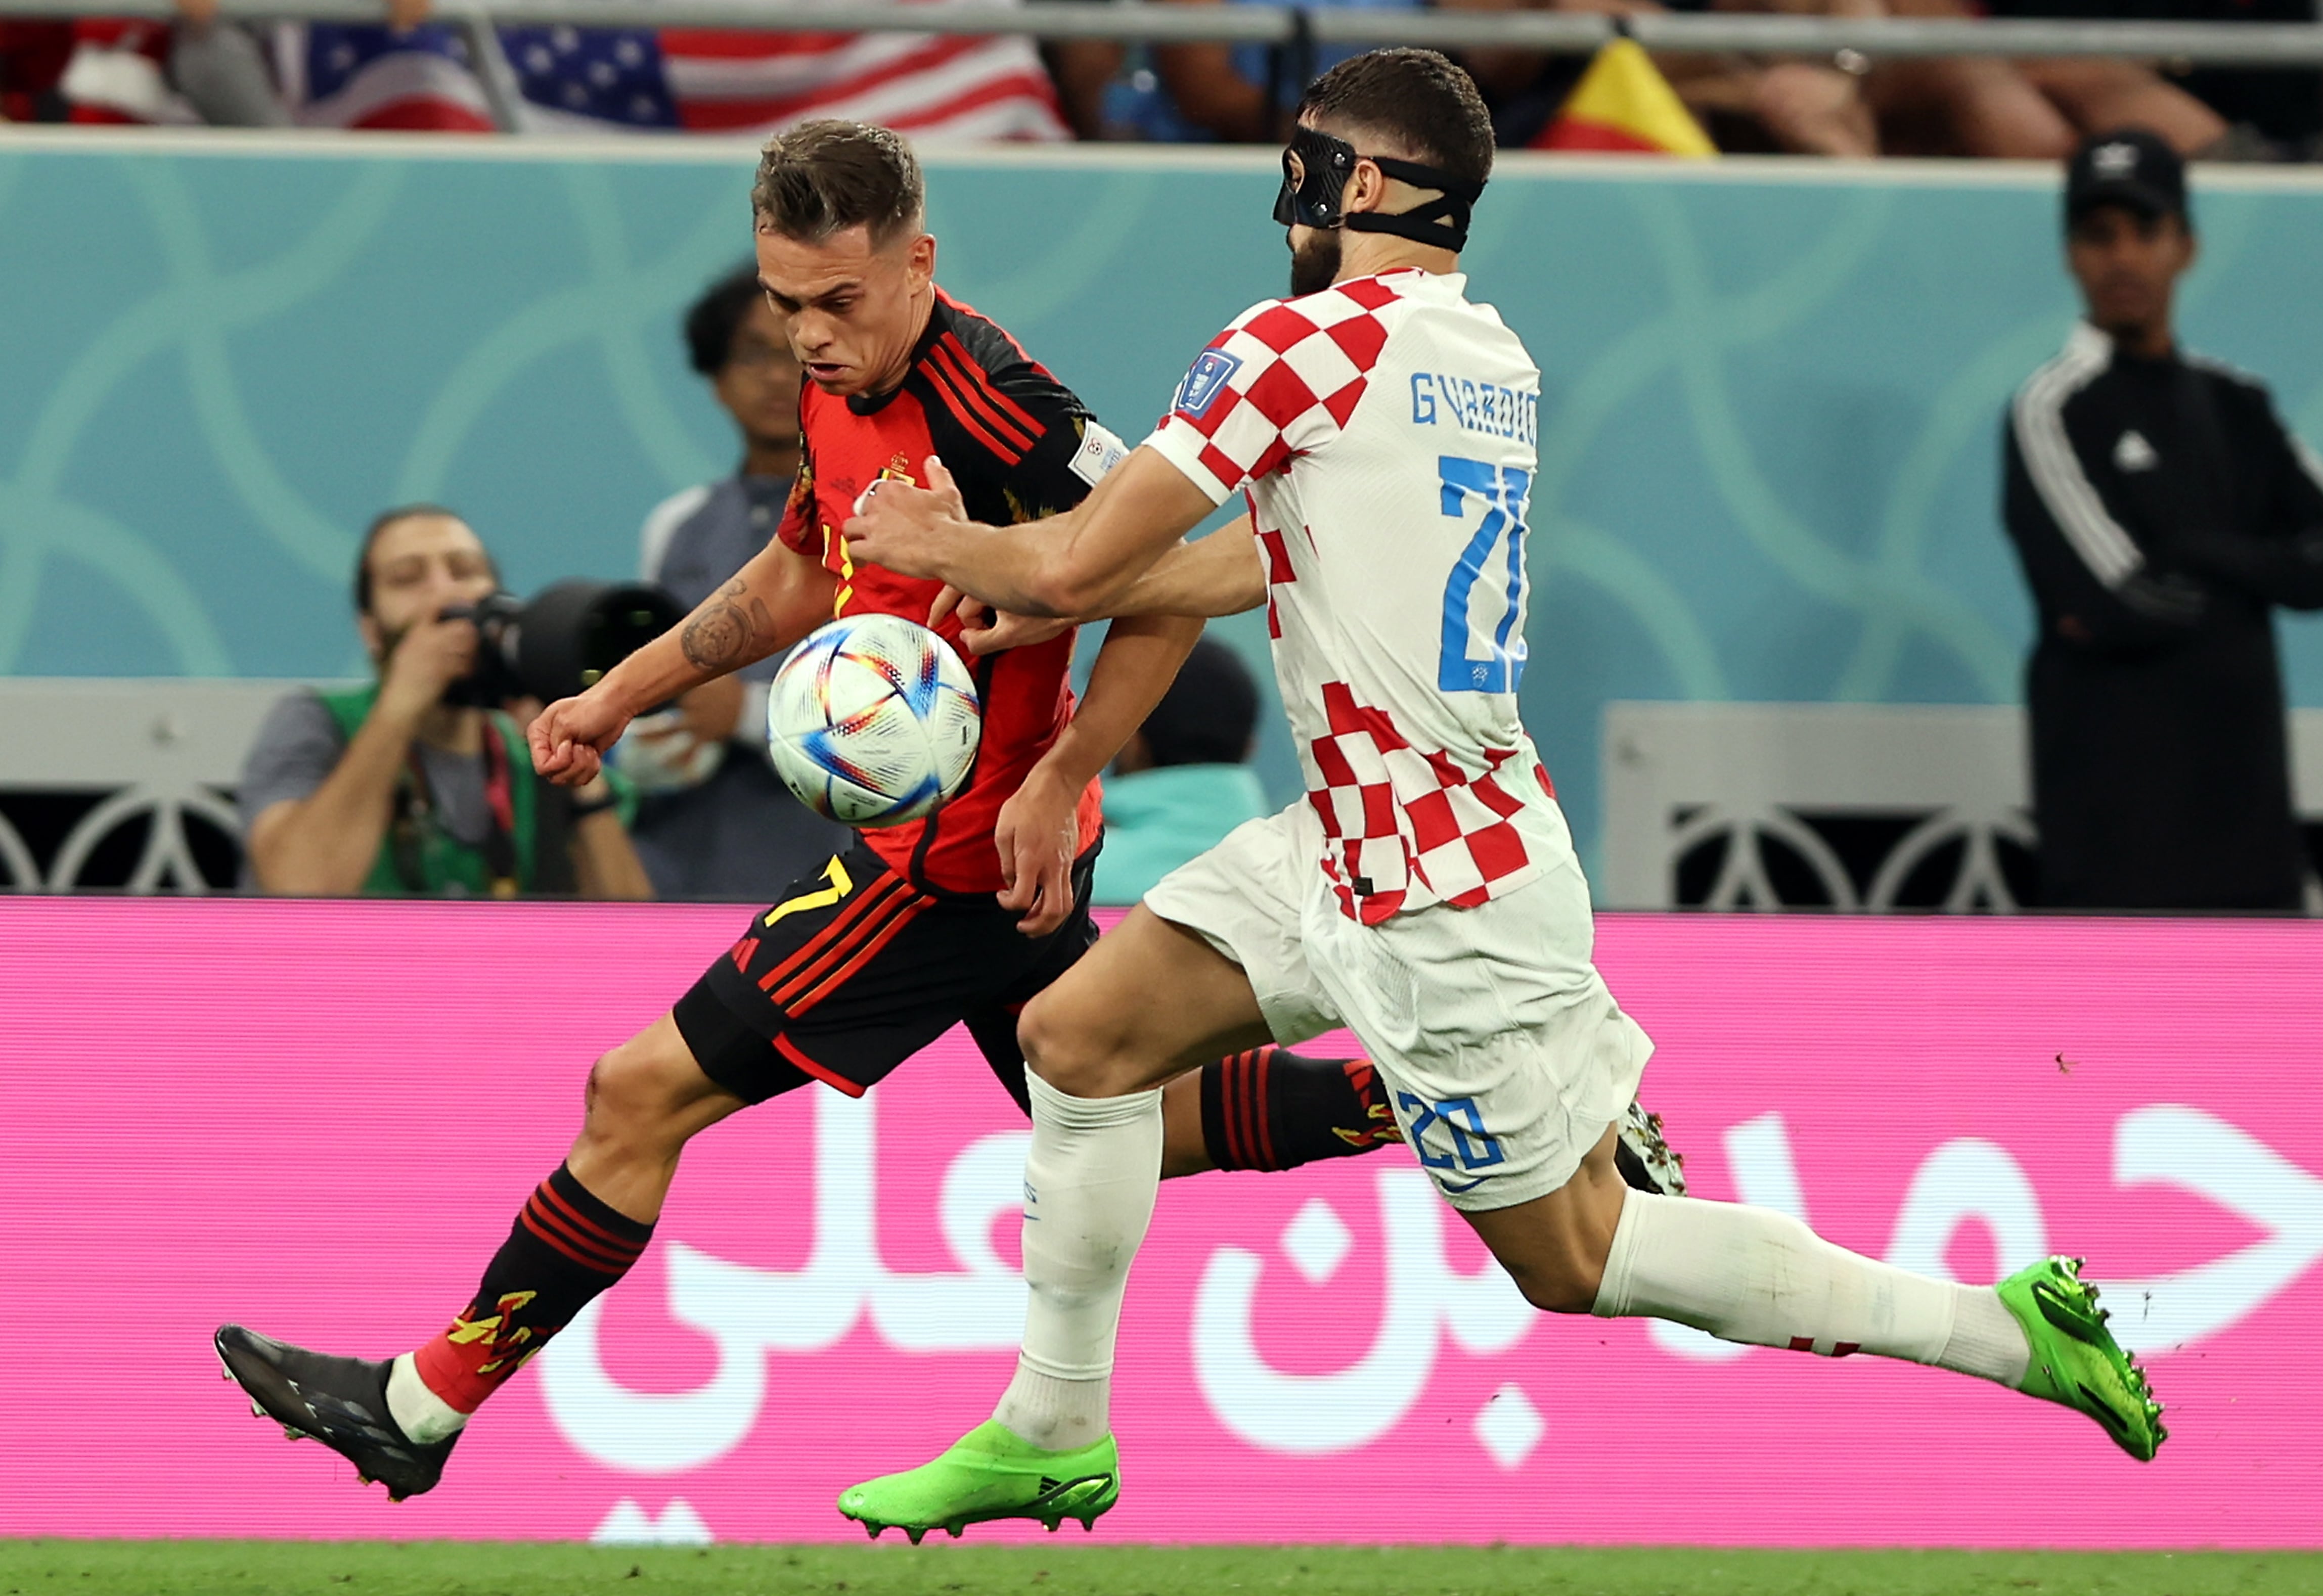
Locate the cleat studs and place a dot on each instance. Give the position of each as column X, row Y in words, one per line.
column 954, row 1530
column 914, row 1532
column 1089, row 1523
column 871, row 1531
column 1052, row 1523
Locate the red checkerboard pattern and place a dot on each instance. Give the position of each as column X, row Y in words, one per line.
column 1392, row 814
column 1304, row 365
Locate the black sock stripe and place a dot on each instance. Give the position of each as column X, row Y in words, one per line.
column 617, row 1225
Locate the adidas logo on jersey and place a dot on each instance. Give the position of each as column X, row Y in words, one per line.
column 2133, row 453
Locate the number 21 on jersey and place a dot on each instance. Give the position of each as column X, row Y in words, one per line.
column 1484, row 649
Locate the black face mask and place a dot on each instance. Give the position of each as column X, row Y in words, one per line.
column 1315, row 173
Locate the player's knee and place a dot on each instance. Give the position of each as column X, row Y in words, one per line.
column 1061, row 1050
column 632, row 1096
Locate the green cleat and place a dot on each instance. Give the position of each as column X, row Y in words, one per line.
column 2076, row 1362
column 990, row 1473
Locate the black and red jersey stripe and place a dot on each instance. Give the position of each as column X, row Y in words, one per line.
column 1018, row 443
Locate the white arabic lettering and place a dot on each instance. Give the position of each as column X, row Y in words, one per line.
column 750, row 1313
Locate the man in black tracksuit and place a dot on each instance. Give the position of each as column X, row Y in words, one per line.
column 2161, row 510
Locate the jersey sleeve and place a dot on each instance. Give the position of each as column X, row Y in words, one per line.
column 1070, row 457
column 1280, row 382
column 1020, row 444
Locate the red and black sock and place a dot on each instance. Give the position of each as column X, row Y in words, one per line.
column 564, row 1248
column 1270, row 1109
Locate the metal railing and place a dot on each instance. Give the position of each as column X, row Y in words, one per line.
column 2289, row 44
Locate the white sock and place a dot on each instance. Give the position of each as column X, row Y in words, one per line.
column 1754, row 1275
column 419, row 1413
column 1055, row 1415
column 1090, row 1179
column 1987, row 1341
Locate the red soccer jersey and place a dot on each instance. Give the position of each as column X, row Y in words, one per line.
column 1021, row 445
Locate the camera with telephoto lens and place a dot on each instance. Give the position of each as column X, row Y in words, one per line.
column 559, row 641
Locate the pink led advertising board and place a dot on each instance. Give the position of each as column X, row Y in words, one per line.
column 319, row 1119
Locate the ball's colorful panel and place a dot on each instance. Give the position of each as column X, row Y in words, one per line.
column 874, row 720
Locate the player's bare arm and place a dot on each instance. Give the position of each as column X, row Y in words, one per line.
column 773, row 601
column 1079, row 563
column 1219, row 574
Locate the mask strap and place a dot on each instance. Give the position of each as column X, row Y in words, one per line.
column 1442, row 222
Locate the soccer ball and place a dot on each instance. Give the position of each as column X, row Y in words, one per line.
column 873, row 721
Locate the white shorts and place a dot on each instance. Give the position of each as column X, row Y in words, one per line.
column 1504, row 1053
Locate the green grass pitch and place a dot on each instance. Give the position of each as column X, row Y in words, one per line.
column 367, row 1568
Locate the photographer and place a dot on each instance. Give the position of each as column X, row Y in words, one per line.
column 404, row 789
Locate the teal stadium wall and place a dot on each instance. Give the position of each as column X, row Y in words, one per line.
column 1770, row 393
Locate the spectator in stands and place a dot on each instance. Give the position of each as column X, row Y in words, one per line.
column 1222, row 93
column 716, row 822
column 403, row 788
column 2161, row 510
column 2266, row 112
column 1802, row 107
column 1183, row 780
column 2036, row 110
column 1940, row 106
column 198, row 68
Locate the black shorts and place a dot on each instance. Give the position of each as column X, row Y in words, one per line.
column 857, row 970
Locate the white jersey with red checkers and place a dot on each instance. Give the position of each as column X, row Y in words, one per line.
column 1385, row 429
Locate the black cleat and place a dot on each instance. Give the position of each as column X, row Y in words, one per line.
column 341, row 1402
column 1647, row 1161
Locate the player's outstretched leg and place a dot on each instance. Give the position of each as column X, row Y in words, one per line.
column 1149, row 1002
column 396, row 1419
column 1763, row 1279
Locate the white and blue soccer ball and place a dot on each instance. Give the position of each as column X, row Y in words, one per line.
column 873, row 721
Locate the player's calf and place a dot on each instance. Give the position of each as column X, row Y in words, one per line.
column 1270, row 1108
column 645, row 1099
column 1555, row 1247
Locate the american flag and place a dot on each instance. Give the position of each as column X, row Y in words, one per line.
column 597, row 80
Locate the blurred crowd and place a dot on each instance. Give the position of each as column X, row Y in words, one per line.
column 417, row 70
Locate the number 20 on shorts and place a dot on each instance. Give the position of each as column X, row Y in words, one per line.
column 1474, row 1147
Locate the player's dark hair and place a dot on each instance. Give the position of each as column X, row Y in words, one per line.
column 822, row 178
column 1420, row 99
column 716, row 316
column 1209, row 713
column 378, row 526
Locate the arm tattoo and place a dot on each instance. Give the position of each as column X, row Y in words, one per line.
column 724, row 635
